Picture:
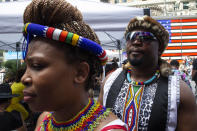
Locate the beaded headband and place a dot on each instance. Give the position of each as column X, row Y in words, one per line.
column 31, row 30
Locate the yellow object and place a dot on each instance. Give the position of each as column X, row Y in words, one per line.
column 26, row 27
column 75, row 39
column 17, row 88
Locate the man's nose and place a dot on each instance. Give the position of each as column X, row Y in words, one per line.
column 137, row 41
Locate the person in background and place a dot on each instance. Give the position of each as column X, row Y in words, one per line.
column 176, row 71
column 111, row 66
column 9, row 120
column 145, row 94
column 188, row 65
column 98, row 83
column 182, row 66
column 17, row 103
column 63, row 58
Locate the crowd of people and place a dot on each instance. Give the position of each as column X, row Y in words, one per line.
column 65, row 62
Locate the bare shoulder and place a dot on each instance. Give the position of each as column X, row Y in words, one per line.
column 40, row 119
column 187, row 98
column 187, row 112
column 106, row 121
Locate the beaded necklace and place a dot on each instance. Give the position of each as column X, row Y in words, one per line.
column 141, row 83
column 87, row 119
column 133, row 101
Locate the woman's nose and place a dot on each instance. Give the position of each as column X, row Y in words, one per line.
column 26, row 79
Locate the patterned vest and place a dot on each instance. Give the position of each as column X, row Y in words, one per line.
column 147, row 113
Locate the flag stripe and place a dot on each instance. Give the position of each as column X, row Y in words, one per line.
column 181, row 24
column 179, row 54
column 184, row 34
column 175, row 57
column 186, row 30
column 183, row 37
column 184, row 27
column 181, row 51
column 182, row 44
column 181, row 47
column 183, row 20
column 187, row 40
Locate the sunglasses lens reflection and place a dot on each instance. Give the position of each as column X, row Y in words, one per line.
column 140, row 35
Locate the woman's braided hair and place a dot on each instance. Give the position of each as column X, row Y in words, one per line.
column 62, row 15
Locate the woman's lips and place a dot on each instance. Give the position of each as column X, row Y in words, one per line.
column 28, row 96
column 28, row 99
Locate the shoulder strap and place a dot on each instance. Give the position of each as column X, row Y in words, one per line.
column 158, row 116
column 115, row 89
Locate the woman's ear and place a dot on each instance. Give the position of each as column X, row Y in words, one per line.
column 82, row 72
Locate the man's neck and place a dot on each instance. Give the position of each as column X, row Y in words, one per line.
column 142, row 74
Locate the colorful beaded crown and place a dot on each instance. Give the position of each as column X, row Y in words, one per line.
column 31, row 30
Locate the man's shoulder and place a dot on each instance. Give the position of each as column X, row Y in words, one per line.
column 186, row 93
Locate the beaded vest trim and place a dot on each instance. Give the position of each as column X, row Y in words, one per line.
column 87, row 119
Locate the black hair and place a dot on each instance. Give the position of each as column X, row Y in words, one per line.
column 174, row 63
column 4, row 100
column 20, row 72
column 110, row 67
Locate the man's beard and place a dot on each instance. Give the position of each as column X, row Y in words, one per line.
column 136, row 62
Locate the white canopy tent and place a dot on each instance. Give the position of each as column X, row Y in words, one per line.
column 109, row 21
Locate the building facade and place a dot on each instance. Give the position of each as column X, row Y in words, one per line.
column 162, row 7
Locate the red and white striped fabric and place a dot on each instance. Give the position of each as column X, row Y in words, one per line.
column 116, row 124
column 183, row 38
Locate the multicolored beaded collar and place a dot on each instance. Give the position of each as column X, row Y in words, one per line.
column 86, row 120
column 141, row 83
column 31, row 29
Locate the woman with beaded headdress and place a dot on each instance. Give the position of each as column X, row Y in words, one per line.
column 63, row 58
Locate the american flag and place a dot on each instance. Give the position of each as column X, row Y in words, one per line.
column 183, row 38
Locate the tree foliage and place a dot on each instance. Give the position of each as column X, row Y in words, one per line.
column 11, row 69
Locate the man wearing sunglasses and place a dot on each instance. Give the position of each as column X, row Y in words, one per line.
column 145, row 94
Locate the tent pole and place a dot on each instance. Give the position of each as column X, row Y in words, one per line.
column 17, row 49
column 119, row 47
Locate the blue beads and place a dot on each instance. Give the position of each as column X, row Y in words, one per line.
column 141, row 83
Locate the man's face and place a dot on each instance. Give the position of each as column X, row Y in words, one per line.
column 142, row 48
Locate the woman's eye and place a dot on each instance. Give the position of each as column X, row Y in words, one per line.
column 37, row 66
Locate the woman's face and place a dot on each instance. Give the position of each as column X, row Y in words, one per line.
column 49, row 80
